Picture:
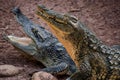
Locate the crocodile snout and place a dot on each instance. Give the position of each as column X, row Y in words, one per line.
column 16, row 11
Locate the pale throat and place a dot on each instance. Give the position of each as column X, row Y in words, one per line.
column 61, row 37
column 66, row 43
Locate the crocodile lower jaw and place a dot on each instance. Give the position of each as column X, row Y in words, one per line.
column 20, row 40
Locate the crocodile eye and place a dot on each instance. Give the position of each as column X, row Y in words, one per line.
column 73, row 19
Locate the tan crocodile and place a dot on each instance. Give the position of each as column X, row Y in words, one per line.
column 94, row 60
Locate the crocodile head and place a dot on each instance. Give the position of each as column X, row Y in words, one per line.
column 63, row 23
column 67, row 28
column 35, row 34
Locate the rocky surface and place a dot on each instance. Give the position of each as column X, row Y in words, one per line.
column 43, row 76
column 9, row 70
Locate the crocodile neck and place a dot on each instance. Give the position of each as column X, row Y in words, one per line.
column 89, row 53
column 80, row 43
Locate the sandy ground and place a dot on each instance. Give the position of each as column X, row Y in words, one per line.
column 101, row 16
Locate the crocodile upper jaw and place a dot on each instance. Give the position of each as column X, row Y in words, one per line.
column 60, row 22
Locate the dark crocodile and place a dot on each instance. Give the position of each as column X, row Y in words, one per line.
column 42, row 45
column 116, row 47
column 94, row 59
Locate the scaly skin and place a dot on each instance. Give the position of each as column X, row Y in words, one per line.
column 116, row 47
column 42, row 46
column 94, row 60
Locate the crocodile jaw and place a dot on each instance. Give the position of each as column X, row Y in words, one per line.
column 24, row 44
column 22, row 41
column 57, row 21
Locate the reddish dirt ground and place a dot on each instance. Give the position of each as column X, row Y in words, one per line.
column 101, row 16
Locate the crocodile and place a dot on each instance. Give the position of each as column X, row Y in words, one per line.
column 42, row 46
column 116, row 47
column 94, row 59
